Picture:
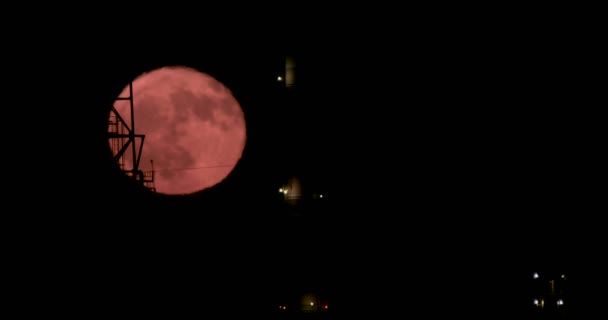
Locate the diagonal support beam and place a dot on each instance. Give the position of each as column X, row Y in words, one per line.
column 122, row 121
column 122, row 150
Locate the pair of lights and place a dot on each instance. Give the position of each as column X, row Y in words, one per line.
column 541, row 302
column 535, row 276
column 284, row 191
column 282, row 307
column 312, row 304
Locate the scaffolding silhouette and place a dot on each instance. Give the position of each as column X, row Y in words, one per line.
column 122, row 138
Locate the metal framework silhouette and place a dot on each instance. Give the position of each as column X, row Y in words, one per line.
column 122, row 137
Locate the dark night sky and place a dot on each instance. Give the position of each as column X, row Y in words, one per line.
column 443, row 154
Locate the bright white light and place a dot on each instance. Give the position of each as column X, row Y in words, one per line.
column 560, row 302
column 563, row 276
column 279, row 78
column 281, row 190
column 535, row 275
column 320, row 196
column 312, row 303
column 285, row 191
column 535, row 302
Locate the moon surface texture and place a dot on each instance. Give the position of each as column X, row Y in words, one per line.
column 194, row 128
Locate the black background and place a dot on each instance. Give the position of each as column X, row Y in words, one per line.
column 455, row 163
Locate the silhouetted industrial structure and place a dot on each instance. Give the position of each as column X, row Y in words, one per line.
column 122, row 137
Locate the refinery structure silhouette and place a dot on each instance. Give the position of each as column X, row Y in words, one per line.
column 123, row 138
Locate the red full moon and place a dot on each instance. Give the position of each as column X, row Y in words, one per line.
column 194, row 128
